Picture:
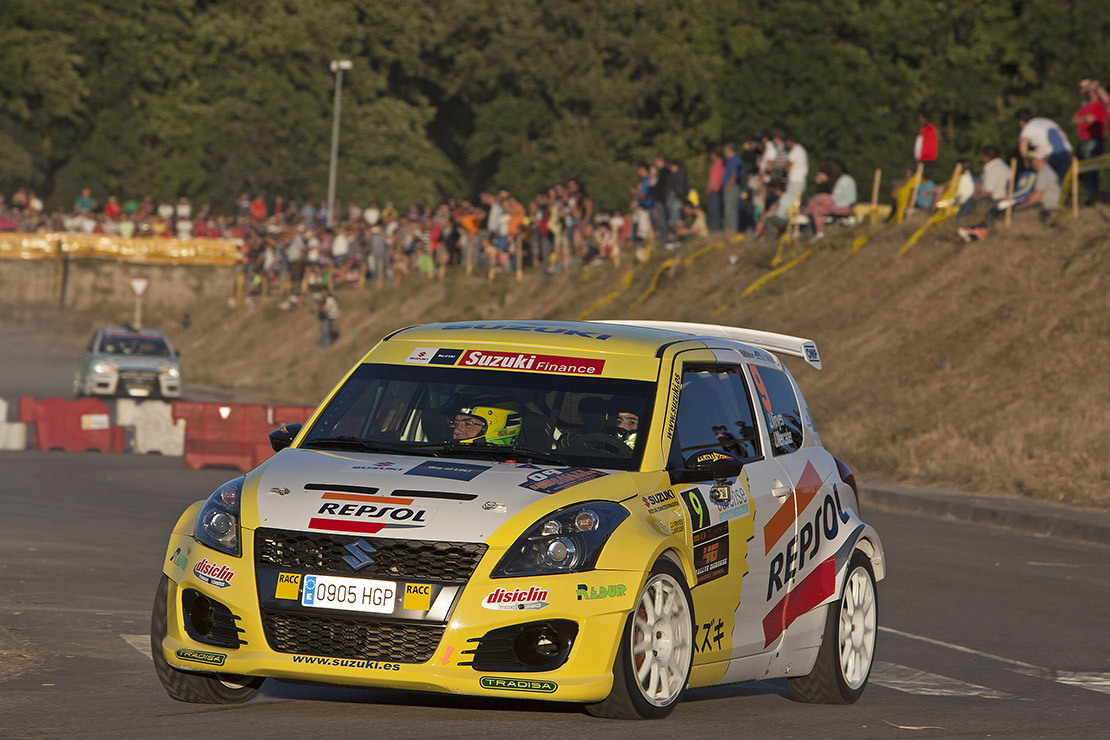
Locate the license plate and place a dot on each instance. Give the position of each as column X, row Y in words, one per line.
column 353, row 594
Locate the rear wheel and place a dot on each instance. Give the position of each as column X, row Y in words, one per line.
column 848, row 646
column 656, row 651
column 199, row 688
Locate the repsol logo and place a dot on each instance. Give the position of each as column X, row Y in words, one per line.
column 804, row 546
column 372, row 511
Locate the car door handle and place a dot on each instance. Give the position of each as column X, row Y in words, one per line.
column 780, row 490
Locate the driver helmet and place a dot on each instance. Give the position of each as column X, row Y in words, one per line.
column 496, row 425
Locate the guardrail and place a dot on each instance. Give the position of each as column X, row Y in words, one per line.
column 146, row 250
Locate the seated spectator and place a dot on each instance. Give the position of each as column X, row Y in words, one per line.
column 1046, row 194
column 927, row 190
column 836, row 195
column 995, row 181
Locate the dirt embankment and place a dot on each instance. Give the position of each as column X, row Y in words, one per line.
column 977, row 366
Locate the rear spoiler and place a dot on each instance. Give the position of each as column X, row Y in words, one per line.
column 782, row 343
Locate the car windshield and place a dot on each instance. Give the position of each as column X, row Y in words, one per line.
column 575, row 421
column 134, row 344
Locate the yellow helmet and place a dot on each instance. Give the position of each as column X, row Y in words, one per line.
column 497, row 425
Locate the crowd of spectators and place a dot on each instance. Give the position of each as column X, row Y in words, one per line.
column 754, row 188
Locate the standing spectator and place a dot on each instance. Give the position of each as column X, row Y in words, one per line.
column 797, row 171
column 730, row 188
column 372, row 215
column 713, row 189
column 1043, row 138
column 258, row 208
column 112, row 208
column 645, row 201
column 1090, row 122
column 327, row 311
column 925, row 145
column 661, row 173
column 678, row 190
column 84, row 203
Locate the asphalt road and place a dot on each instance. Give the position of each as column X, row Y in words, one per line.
column 985, row 632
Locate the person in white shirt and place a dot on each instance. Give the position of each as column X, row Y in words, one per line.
column 1043, row 138
column 995, row 181
column 797, row 170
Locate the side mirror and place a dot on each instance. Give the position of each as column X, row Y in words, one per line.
column 707, row 466
column 284, row 435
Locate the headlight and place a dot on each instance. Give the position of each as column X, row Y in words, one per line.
column 218, row 523
column 103, row 367
column 173, row 372
column 568, row 541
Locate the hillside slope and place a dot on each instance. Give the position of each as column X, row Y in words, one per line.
column 978, row 366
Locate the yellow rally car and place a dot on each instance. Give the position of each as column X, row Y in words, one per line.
column 603, row 512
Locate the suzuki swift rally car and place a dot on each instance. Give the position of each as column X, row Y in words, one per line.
column 604, row 513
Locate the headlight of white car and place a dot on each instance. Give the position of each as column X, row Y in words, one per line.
column 172, row 372
column 564, row 542
column 218, row 523
column 103, row 367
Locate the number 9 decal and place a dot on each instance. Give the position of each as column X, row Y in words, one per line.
column 699, row 518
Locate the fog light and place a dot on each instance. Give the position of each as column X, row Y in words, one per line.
column 538, row 645
column 201, row 616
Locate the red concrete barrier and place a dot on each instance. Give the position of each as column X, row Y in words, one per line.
column 224, row 434
column 72, row 426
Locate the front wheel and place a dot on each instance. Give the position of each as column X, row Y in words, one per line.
column 843, row 664
column 656, row 651
column 199, row 688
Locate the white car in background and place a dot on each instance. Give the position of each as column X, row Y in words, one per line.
column 121, row 361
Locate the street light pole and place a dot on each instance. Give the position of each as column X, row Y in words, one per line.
column 337, row 68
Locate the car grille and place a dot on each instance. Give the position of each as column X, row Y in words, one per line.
column 446, row 562
column 344, row 637
column 138, row 378
column 368, row 637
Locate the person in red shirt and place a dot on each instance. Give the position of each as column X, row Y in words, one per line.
column 1090, row 127
column 925, row 145
column 258, row 209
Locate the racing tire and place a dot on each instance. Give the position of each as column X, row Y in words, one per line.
column 197, row 688
column 656, row 650
column 847, row 652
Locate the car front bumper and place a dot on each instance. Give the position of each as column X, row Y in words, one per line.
column 596, row 602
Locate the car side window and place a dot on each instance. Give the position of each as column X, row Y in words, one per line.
column 780, row 408
column 714, row 414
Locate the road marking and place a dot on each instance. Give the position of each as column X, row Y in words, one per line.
column 913, row 681
column 139, row 642
column 1084, row 680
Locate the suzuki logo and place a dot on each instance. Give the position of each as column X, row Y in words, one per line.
column 360, row 554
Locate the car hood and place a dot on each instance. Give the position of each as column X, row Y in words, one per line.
column 409, row 497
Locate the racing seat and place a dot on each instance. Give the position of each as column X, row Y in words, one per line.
column 434, row 424
column 597, row 419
